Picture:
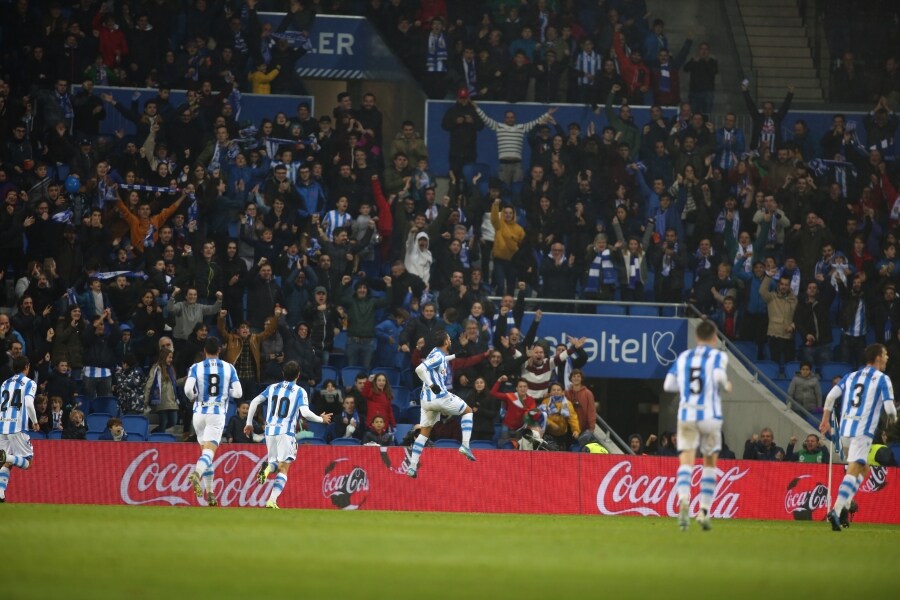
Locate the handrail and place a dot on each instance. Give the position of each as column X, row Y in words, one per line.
column 538, row 300
column 745, row 60
column 759, row 375
column 611, row 435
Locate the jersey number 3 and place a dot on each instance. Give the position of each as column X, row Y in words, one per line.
column 856, row 397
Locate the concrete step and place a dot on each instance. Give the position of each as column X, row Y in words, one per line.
column 754, row 3
column 770, row 30
column 800, row 94
column 770, row 11
column 771, row 21
column 769, row 80
column 778, row 41
column 786, row 54
column 762, row 63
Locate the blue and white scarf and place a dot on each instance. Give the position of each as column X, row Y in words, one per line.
column 436, row 57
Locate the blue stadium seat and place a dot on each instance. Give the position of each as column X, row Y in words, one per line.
column 136, row 424
column 446, row 444
column 312, row 441
column 81, row 402
column 93, row 436
column 397, row 412
column 108, row 405
column 317, row 429
column 162, row 438
column 507, row 445
column 826, row 387
column 348, row 375
column 410, row 415
column 392, row 374
column 640, row 310
column 230, row 411
column 610, row 309
column 468, row 172
column 340, row 342
column 401, row 397
column 400, row 432
column 670, row 311
column 791, row 368
column 830, row 370
column 329, row 373
column 407, row 378
column 769, row 368
column 747, row 348
column 783, row 384
column 351, row 441
column 135, row 437
column 482, row 445
column 97, row 421
column 36, row 435
column 56, row 434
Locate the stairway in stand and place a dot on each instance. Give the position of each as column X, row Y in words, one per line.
column 780, row 52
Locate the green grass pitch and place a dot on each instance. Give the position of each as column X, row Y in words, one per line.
column 93, row 552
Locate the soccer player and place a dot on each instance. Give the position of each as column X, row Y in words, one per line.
column 434, row 372
column 209, row 385
column 282, row 401
column 698, row 376
column 862, row 395
column 16, row 408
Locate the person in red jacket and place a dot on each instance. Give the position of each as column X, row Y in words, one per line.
column 634, row 72
column 517, row 405
column 113, row 44
column 379, row 395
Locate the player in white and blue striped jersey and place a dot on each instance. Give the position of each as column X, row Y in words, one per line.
column 863, row 394
column 210, row 384
column 436, row 400
column 284, row 402
column 16, row 409
column 698, row 376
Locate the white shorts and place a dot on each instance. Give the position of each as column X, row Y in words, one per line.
column 281, row 448
column 209, row 428
column 448, row 404
column 856, row 448
column 705, row 435
column 16, row 444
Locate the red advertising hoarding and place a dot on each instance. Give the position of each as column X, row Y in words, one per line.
column 500, row 481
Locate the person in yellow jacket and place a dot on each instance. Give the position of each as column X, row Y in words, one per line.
column 562, row 420
column 261, row 78
column 508, row 237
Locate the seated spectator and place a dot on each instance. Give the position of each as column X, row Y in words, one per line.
column 56, row 414
column 805, row 388
column 114, row 432
column 328, row 399
column 348, row 423
column 562, row 420
column 377, row 434
column 42, row 410
column 75, row 429
column 234, row 431
column 762, row 447
column 813, row 451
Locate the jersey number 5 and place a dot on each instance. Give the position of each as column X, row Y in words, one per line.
column 696, row 386
column 16, row 400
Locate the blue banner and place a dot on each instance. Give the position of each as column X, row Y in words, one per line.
column 254, row 107
column 618, row 347
column 343, row 47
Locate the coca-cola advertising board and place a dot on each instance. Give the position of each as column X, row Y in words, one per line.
column 501, row 481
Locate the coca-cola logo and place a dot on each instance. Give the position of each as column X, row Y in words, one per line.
column 877, row 480
column 148, row 481
column 345, row 484
column 804, row 496
column 621, row 493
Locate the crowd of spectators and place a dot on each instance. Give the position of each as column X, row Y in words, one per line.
column 122, row 254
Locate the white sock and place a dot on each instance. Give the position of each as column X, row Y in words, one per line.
column 707, row 487
column 466, row 425
column 4, row 480
column 208, row 480
column 204, row 463
column 278, row 486
column 417, row 448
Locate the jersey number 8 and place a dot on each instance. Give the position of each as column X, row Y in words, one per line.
column 212, row 384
